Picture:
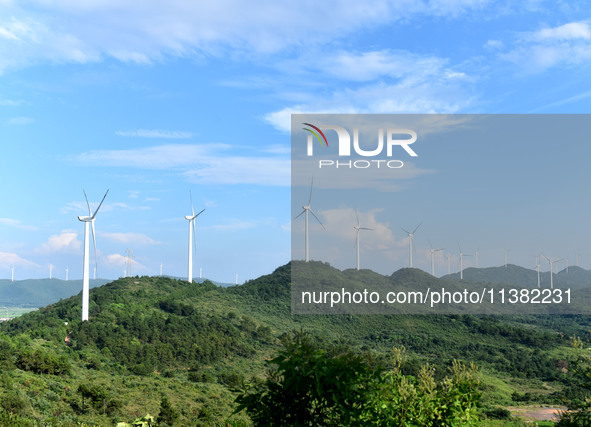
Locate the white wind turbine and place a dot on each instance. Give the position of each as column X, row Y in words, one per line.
column 410, row 242
column 476, row 256
column 432, row 251
column 357, row 229
column 538, row 268
column 551, row 262
column 506, row 252
column 191, row 219
column 462, row 255
column 87, row 220
column 305, row 210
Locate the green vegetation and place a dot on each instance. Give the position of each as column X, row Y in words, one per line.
column 181, row 352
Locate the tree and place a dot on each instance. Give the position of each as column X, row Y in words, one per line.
column 168, row 415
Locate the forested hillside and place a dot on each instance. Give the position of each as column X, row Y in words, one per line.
column 154, row 343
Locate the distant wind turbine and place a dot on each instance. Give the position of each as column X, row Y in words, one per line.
column 462, row 255
column 410, row 242
column 305, row 210
column 432, row 251
column 87, row 220
column 357, row 229
column 551, row 262
column 66, row 274
column 50, row 270
column 12, row 277
column 506, row 252
column 476, row 256
column 191, row 219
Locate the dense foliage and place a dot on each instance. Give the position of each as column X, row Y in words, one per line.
column 315, row 386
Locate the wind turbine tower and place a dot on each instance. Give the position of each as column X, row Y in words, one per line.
column 50, row 270
column 88, row 221
column 476, row 255
column 551, row 262
column 357, row 229
column 410, row 242
column 506, row 252
column 191, row 219
column 305, row 210
column 160, row 269
column 12, row 276
column 66, row 274
column 538, row 269
column 462, row 255
column 432, row 251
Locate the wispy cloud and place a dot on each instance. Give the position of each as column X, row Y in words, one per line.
column 204, row 163
column 20, row 121
column 386, row 81
column 154, row 133
column 135, row 238
column 568, row 44
column 9, row 260
column 16, row 224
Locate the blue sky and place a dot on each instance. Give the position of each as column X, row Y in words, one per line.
column 155, row 100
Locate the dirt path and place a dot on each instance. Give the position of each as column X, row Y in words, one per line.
column 536, row 413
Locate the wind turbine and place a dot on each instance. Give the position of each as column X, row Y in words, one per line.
column 66, row 274
column 538, row 268
column 357, row 229
column 50, row 270
column 88, row 220
column 12, row 277
column 191, row 219
column 506, row 252
column 462, row 255
column 410, row 241
column 306, row 209
column 551, row 262
column 432, row 251
column 476, row 255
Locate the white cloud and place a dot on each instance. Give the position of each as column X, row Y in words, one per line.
column 118, row 260
column 234, row 225
column 570, row 31
column 204, row 163
column 72, row 31
column 385, row 81
column 20, row 121
column 16, row 224
column 135, row 238
column 66, row 241
column 8, row 260
column 568, row 44
column 163, row 134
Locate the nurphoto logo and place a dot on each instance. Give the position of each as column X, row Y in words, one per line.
column 393, row 137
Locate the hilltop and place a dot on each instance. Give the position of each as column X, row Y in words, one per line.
column 575, row 278
column 193, row 343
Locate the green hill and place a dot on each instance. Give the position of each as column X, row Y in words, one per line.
column 154, row 337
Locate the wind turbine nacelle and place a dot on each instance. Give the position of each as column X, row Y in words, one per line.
column 188, row 217
column 85, row 218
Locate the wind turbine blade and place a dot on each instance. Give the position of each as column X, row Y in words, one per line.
column 356, row 237
column 417, row 227
column 459, row 247
column 365, row 228
column 100, row 204
column 357, row 216
column 319, row 222
column 301, row 213
column 310, row 198
column 406, row 231
column 429, row 240
column 94, row 242
column 195, row 216
column 87, row 204
column 191, row 198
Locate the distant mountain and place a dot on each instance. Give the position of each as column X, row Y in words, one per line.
column 40, row 292
column 576, row 277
